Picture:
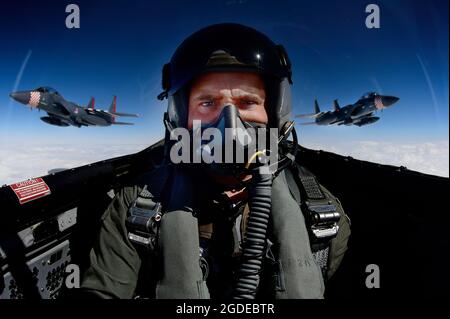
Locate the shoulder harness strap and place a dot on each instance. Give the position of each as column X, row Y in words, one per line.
column 319, row 210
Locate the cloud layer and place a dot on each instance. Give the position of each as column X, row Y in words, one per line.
column 20, row 162
column 431, row 157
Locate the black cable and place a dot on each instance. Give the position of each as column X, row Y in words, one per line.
column 253, row 248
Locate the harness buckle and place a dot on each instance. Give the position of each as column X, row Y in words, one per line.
column 323, row 219
column 143, row 219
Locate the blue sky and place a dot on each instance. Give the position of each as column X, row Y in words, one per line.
column 122, row 45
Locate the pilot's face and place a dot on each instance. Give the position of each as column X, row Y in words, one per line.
column 212, row 91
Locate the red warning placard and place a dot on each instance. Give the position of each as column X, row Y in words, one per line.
column 30, row 189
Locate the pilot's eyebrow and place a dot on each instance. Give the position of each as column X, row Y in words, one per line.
column 203, row 97
column 208, row 96
column 250, row 96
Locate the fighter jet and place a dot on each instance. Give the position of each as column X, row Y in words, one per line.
column 360, row 113
column 64, row 113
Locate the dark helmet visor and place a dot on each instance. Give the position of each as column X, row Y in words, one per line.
column 225, row 47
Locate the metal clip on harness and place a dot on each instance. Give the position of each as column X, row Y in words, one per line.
column 320, row 212
column 143, row 217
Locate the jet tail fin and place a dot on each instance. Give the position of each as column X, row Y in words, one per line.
column 112, row 108
column 317, row 113
column 316, row 107
column 336, row 105
column 91, row 104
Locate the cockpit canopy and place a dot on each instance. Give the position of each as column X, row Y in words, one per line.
column 47, row 89
column 369, row 95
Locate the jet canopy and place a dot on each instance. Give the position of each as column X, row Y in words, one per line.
column 369, row 95
column 47, row 89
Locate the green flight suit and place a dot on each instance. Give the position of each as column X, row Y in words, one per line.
column 116, row 267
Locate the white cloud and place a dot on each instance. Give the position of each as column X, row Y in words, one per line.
column 430, row 157
column 20, row 162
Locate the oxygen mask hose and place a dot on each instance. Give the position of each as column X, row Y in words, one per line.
column 260, row 192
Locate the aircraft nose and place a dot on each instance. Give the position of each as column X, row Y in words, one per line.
column 21, row 97
column 389, row 100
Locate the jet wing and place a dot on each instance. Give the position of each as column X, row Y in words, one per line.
column 98, row 112
column 354, row 107
column 91, row 111
column 312, row 115
column 367, row 115
column 123, row 114
column 60, row 108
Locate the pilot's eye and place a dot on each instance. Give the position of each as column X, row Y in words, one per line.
column 248, row 103
column 207, row 103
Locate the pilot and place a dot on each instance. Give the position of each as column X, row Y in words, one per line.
column 258, row 227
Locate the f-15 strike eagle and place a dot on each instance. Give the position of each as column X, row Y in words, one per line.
column 64, row 113
column 360, row 113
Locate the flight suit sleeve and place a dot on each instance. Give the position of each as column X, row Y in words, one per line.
column 114, row 262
